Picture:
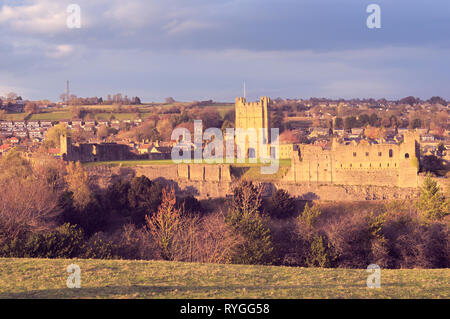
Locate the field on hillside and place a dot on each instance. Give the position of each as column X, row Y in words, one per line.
column 104, row 112
column 46, row 278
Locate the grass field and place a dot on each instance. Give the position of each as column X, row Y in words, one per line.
column 46, row 278
column 282, row 163
column 103, row 112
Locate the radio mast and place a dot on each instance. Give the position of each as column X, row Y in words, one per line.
column 67, row 92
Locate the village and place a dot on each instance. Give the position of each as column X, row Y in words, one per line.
column 301, row 121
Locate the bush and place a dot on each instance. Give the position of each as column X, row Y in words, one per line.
column 310, row 215
column 64, row 242
column 320, row 253
column 257, row 247
column 244, row 218
column 98, row 247
column 116, row 197
column 206, row 240
column 92, row 218
column 165, row 224
column 282, row 205
column 351, row 238
column 432, row 203
column 131, row 242
column 190, row 205
column 144, row 197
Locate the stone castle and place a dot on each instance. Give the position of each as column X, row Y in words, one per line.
column 362, row 163
column 343, row 168
column 94, row 152
column 252, row 115
column 358, row 164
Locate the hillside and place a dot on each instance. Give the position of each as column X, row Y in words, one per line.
column 46, row 278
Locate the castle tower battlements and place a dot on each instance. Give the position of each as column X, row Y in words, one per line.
column 253, row 115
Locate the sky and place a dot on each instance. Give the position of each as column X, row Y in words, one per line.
column 206, row 49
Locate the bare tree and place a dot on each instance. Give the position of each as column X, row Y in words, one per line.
column 206, row 240
column 26, row 205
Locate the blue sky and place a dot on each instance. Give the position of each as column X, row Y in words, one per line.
column 205, row 49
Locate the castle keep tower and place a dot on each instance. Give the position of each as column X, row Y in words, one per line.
column 65, row 146
column 252, row 115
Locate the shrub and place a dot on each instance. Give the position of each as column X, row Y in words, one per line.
column 320, row 253
column 282, row 204
column 207, row 240
column 244, row 217
column 77, row 181
column 91, row 218
column 247, row 197
column 190, row 205
column 165, row 223
column 135, row 243
column 432, row 203
column 64, row 242
column 288, row 243
column 116, row 197
column 310, row 215
column 26, row 205
column 144, row 197
column 98, row 247
column 351, row 239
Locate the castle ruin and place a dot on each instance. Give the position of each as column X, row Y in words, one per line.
column 94, row 152
column 252, row 116
column 354, row 163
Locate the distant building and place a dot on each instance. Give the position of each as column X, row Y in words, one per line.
column 95, row 152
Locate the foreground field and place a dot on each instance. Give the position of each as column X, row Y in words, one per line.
column 45, row 278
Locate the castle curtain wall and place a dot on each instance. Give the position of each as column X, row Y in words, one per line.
column 357, row 164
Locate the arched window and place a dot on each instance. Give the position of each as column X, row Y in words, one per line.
column 406, row 155
column 354, row 154
column 391, row 153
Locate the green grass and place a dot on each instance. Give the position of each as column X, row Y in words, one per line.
column 117, row 116
column 51, row 116
column 105, row 112
column 46, row 278
column 130, row 163
column 15, row 116
column 283, row 163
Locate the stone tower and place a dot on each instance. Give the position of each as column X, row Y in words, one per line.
column 408, row 161
column 65, row 146
column 252, row 115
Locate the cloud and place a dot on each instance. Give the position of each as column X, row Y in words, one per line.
column 60, row 51
column 204, row 49
column 45, row 17
column 176, row 27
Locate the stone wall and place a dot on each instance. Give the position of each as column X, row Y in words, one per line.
column 217, row 183
column 361, row 163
